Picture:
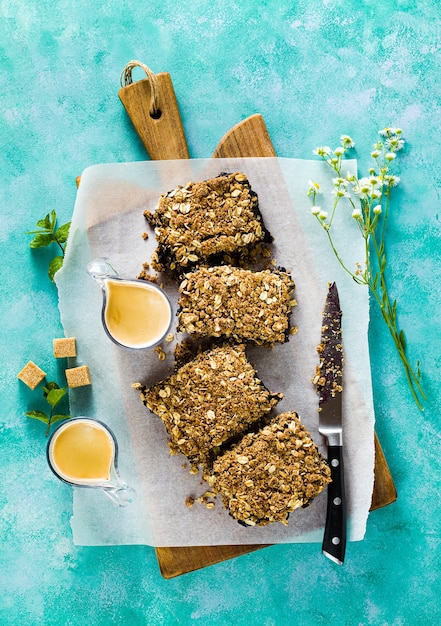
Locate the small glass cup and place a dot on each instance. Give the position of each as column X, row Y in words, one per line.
column 136, row 314
column 83, row 452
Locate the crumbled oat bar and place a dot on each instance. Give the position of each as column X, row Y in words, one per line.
column 208, row 401
column 215, row 219
column 236, row 303
column 270, row 473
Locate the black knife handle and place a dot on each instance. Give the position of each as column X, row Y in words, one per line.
column 334, row 540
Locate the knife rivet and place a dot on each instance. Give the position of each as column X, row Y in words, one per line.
column 335, row 463
column 337, row 501
column 335, row 540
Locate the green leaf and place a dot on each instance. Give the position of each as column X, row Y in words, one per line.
column 41, row 231
column 62, row 233
column 49, row 386
column 402, row 339
column 394, row 310
column 46, row 223
column 58, row 418
column 38, row 415
column 53, row 220
column 42, row 240
column 54, row 266
column 55, row 395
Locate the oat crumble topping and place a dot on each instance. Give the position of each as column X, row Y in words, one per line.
column 270, row 473
column 197, row 222
column 236, row 303
column 209, row 400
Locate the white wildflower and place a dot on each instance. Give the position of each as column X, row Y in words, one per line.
column 340, row 181
column 357, row 215
column 340, row 192
column 323, row 215
column 346, row 141
column 377, row 209
column 362, row 188
column 391, row 180
column 389, row 132
column 394, row 143
column 339, row 152
column 322, row 151
column 315, row 210
column 375, row 154
column 314, row 188
column 390, row 156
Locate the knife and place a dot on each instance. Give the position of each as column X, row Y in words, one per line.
column 329, row 384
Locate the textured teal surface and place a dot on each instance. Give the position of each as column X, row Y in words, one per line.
column 314, row 69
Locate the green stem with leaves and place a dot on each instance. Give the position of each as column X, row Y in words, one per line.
column 53, row 395
column 374, row 197
column 47, row 234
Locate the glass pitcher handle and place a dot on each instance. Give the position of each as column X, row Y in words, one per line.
column 101, row 268
column 120, row 495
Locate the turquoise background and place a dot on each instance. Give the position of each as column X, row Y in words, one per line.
column 315, row 69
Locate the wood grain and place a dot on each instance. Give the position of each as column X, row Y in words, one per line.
column 163, row 136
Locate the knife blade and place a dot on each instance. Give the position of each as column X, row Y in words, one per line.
column 329, row 384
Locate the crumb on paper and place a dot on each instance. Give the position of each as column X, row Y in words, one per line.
column 160, row 352
column 145, row 236
column 31, row 375
column 207, row 498
column 144, row 275
column 170, row 337
column 64, row 347
column 78, row 376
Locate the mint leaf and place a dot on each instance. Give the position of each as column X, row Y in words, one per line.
column 49, row 386
column 54, row 266
column 49, row 234
column 52, row 220
column 42, row 240
column 55, row 395
column 46, row 223
column 38, row 415
column 62, row 233
column 58, row 418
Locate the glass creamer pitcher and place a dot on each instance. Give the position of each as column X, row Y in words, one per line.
column 84, row 452
column 135, row 314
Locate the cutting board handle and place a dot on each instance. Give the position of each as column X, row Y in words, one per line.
column 153, row 109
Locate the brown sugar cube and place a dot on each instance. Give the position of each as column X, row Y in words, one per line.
column 78, row 376
column 31, row 375
column 64, row 347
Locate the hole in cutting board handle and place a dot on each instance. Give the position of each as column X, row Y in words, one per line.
column 156, row 115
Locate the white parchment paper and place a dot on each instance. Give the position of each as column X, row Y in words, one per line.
column 108, row 221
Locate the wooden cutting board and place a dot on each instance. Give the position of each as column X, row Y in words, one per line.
column 250, row 138
column 163, row 137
